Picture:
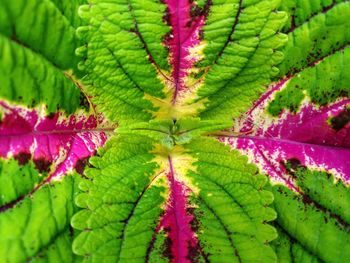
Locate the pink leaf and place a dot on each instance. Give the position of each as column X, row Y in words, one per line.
column 57, row 140
column 317, row 137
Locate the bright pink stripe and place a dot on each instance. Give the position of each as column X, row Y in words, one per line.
column 58, row 140
column 176, row 220
column 184, row 35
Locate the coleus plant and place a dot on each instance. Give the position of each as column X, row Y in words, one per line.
column 174, row 131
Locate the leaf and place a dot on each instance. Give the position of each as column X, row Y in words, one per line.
column 48, row 32
column 124, row 199
column 17, row 179
column 179, row 80
column 240, row 59
column 316, row 217
column 23, row 237
column 66, row 143
column 145, row 203
column 116, row 47
column 119, row 41
column 315, row 55
column 34, row 189
column 315, row 36
column 309, row 106
column 22, row 67
column 297, row 133
column 37, row 54
column 46, row 130
column 231, row 203
column 308, row 137
column 288, row 250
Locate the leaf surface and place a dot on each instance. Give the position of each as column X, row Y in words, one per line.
column 178, row 79
column 53, row 139
column 48, row 128
column 158, row 205
column 23, row 237
column 298, row 134
column 316, row 217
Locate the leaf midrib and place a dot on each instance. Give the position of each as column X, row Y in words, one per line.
column 59, row 132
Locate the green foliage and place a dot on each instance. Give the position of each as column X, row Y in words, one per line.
column 17, row 180
column 316, row 54
column 48, row 32
column 122, row 39
column 231, row 206
column 323, row 83
column 44, row 83
column 121, row 202
column 172, row 133
column 124, row 199
column 37, row 229
column 288, row 250
column 316, row 38
column 301, row 11
column 316, row 219
column 35, row 51
column 239, row 60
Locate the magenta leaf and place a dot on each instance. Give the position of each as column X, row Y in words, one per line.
column 57, row 140
column 317, row 137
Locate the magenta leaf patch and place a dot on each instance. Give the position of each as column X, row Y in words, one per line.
column 186, row 20
column 57, row 140
column 317, row 137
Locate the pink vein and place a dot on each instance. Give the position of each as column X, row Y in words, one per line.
column 58, row 132
column 175, row 208
column 260, row 138
column 184, row 35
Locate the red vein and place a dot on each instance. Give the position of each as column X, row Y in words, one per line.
column 175, row 204
column 58, row 132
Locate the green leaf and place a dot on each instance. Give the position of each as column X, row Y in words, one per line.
column 121, row 203
column 175, row 132
column 17, row 178
column 35, row 227
column 174, row 76
column 30, row 79
column 318, row 37
column 37, row 54
column 316, row 54
column 317, row 218
column 302, row 11
column 70, row 10
column 231, row 205
column 239, row 59
column 59, row 251
column 289, row 250
column 48, row 32
column 122, row 41
column 323, row 83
